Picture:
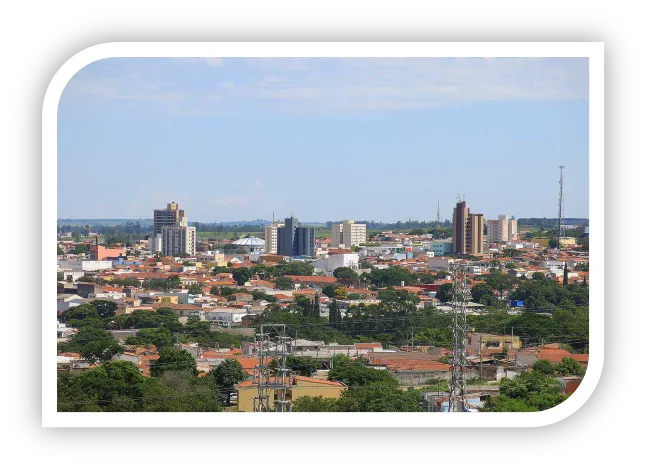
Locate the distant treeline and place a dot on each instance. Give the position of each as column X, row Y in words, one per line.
column 544, row 223
column 399, row 225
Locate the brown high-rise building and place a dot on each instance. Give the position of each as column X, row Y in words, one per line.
column 170, row 216
column 475, row 234
column 468, row 230
column 460, row 218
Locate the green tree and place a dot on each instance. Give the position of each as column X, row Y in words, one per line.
column 173, row 283
column 328, row 290
column 227, row 374
column 568, row 367
column 379, row 398
column 181, row 391
column 171, row 358
column 303, row 366
column 340, row 292
column 543, row 366
column 346, row 275
column 105, row 308
column 195, row 327
column 112, row 387
column 93, row 344
column 59, row 251
column 214, row 290
column 80, row 312
column 314, row 404
column 241, row 275
column 553, row 243
column 160, row 337
column 480, row 291
column 355, row 373
column 195, row 289
column 284, row 283
column 444, row 292
column 507, row 404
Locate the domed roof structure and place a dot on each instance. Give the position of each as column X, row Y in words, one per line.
column 249, row 241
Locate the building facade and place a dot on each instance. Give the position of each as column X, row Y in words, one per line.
column 502, row 229
column 170, row 216
column 348, row 234
column 468, row 230
column 460, row 218
column 155, row 243
column 304, row 242
column 441, row 247
column 474, row 239
column 177, row 240
column 286, row 237
column 271, row 238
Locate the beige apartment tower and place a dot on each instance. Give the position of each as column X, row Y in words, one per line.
column 271, row 238
column 475, row 234
column 502, row 229
column 468, row 230
column 348, row 234
column 170, row 216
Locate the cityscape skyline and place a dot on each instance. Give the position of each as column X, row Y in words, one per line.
column 396, row 135
column 235, row 134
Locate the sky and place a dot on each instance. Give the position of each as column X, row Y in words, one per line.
column 326, row 139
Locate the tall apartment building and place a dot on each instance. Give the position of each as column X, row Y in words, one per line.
column 178, row 239
column 502, row 229
column 304, row 241
column 286, row 237
column 295, row 240
column 468, row 230
column 475, row 234
column 348, row 234
column 170, row 216
column 271, row 238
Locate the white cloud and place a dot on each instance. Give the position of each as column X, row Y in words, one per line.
column 228, row 85
column 212, row 61
column 302, row 85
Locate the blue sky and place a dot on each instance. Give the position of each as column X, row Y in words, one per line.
column 327, row 138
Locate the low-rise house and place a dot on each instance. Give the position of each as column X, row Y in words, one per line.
column 299, row 386
column 65, row 301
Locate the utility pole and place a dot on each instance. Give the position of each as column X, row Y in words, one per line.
column 560, row 232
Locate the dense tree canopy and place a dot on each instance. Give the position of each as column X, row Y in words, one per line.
column 172, row 359
column 105, row 308
column 529, row 392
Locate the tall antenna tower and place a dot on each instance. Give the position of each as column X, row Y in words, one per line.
column 272, row 344
column 560, row 232
column 457, row 387
column 437, row 224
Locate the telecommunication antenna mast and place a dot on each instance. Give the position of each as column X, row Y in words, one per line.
column 437, row 224
column 457, row 387
column 272, row 344
column 560, row 232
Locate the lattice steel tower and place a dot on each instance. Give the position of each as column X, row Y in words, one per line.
column 272, row 345
column 457, row 387
column 560, row 232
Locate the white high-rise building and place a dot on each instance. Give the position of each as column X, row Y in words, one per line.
column 178, row 240
column 502, row 229
column 155, row 243
column 271, row 238
column 348, row 234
